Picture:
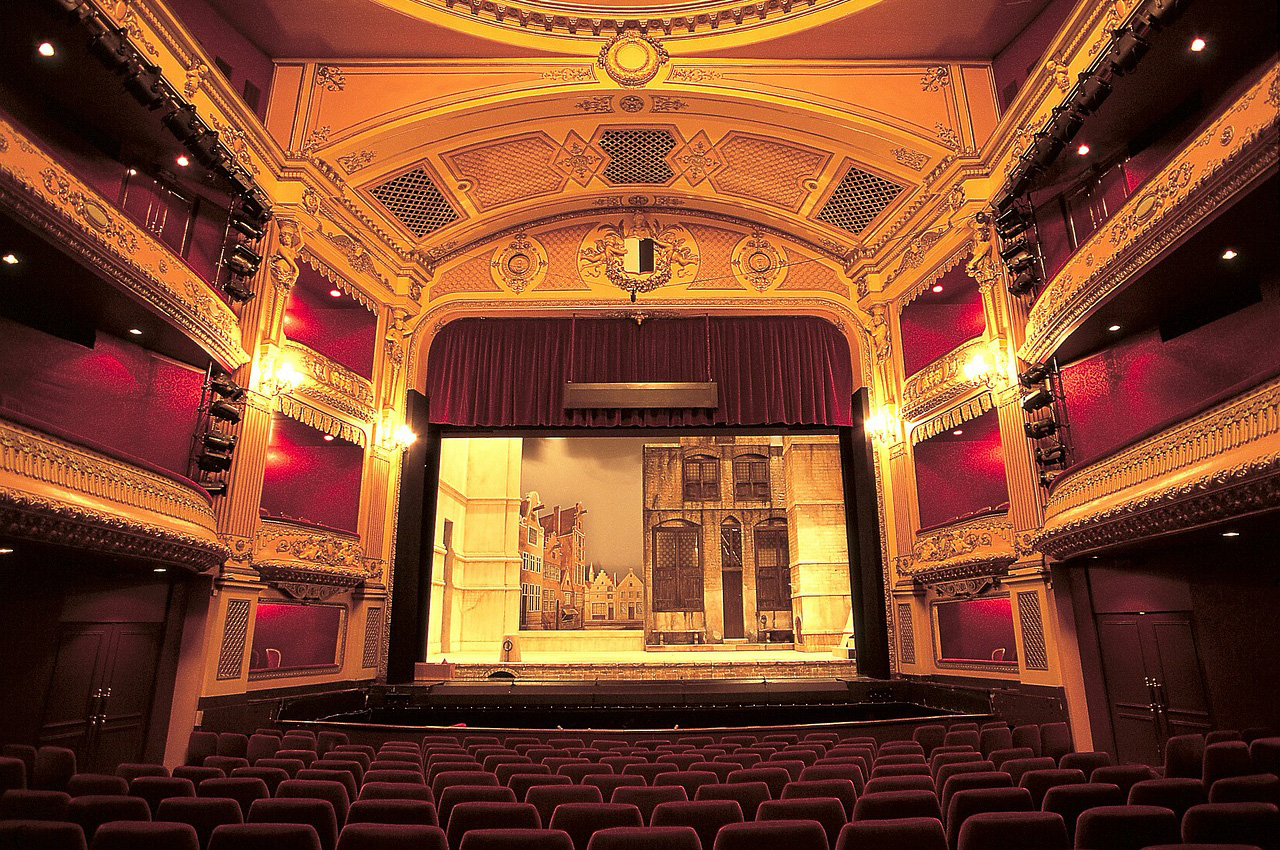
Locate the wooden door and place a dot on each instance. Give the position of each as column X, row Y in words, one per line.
column 731, row 588
column 1155, row 687
column 100, row 693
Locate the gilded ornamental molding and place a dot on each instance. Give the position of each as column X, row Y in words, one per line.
column 39, row 190
column 950, row 379
column 983, row 546
column 1231, row 155
column 332, row 384
column 1220, row 465
column 57, row 492
column 309, row 562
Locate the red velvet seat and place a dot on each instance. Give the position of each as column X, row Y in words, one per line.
column 294, row 741
column 204, row 814
column 963, row 738
column 129, row 771
column 781, row 738
column 521, row 783
column 691, row 780
column 289, row 766
column 1254, row 788
column 433, row 772
column 1233, row 823
column 504, row 772
column 41, row 835
column 317, row 813
column 273, row 776
column 1085, row 762
column 412, row 812
column 468, row 816
column 827, row 811
column 135, row 835
column 1000, row 757
column 153, row 789
column 1055, row 740
column 965, row 804
column 415, row 758
column 774, row 777
column 705, row 817
column 899, row 834
column 1027, row 736
column 1016, row 767
column 990, row 740
column 897, row 804
column 648, row 798
column 13, row 774
column 200, row 745
column 941, row 760
column 335, row 761
column 900, row 783
column 1125, row 827
column 92, row 811
column 580, row 820
column 396, row 791
column 1013, row 831
column 264, row 836
column 352, row 752
column 646, row 838
column 971, row 781
column 492, row 763
column 383, row 836
column 721, row 769
column 233, row 744
column 244, row 790
column 1123, row 776
column 838, row 789
column 516, row 839
column 1177, row 794
column 929, row 735
column 318, row 789
column 328, row 741
column 900, row 748
column 852, row 772
column 1265, row 753
column 757, row 835
column 226, row 763
column 577, row 772
column 607, row 782
column 455, row 777
column 54, row 767
column 1040, row 781
column 904, row 758
column 680, row 760
column 901, row 770
column 455, row 794
column 743, row 760
column 1184, row 757
column 304, row 756
column 100, row 784
column 342, row 777
column 1070, row 800
column 947, row 771
column 1228, row 758
column 545, row 798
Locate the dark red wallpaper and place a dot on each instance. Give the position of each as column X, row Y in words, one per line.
column 310, row 478
column 936, row 322
column 959, row 474
column 976, row 629
column 116, row 394
column 298, row 636
column 1142, row 384
column 337, row 327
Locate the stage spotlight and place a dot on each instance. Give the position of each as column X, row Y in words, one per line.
column 1011, row 222
column 1047, row 478
column 1015, row 246
column 1065, row 124
column 1020, row 182
column 1024, row 282
column 1160, row 13
column 205, row 149
column 47, row 50
column 1040, row 429
column 111, row 49
column 1127, row 52
column 143, row 81
column 224, row 387
column 1093, row 90
column 214, row 488
column 224, row 410
column 223, row 443
column 1033, row 375
column 214, row 461
column 256, row 205
column 238, row 290
column 184, row 123
column 1044, row 150
column 242, row 260
column 246, row 227
column 1036, row 399
column 1020, row 261
column 1051, row 456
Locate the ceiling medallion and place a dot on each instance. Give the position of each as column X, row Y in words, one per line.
column 632, row 58
column 520, row 264
column 604, row 251
column 758, row 262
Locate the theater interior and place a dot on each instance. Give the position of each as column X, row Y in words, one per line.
column 621, row 425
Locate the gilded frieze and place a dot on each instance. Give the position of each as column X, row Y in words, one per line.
column 984, row 546
column 332, row 384
column 299, row 555
column 949, row 379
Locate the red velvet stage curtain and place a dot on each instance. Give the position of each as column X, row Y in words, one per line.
column 511, row 372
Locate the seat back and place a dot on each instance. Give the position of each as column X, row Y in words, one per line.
column 1233, row 823
column 836, row 789
column 41, row 835
column 136, row 835
column 395, row 791
column 545, row 798
column 1070, row 800
column 153, row 789
column 481, row 815
column 1040, row 781
column 705, row 817
column 648, row 798
column 987, row 830
column 455, row 794
column 317, row 813
column 417, row 812
column 54, row 767
column 1126, row 827
column 898, row 834
column 318, row 789
column 392, row 836
column 515, row 839
column 580, row 820
column 264, row 836
column 789, row 834
column 92, row 811
column 897, row 804
column 965, row 804
column 827, row 811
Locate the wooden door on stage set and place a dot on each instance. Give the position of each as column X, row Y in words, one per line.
column 731, row 579
column 100, row 693
column 1155, row 686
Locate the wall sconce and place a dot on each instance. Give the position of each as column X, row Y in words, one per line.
column 279, row 376
column 979, row 369
column 883, row 427
column 404, row 437
column 396, row 435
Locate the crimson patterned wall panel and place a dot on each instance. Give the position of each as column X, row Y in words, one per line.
column 961, row 472
column 372, row 637
column 937, row 322
column 1035, row 656
column 234, row 631
column 906, row 635
column 310, row 478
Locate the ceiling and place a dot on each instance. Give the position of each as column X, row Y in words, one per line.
column 822, row 29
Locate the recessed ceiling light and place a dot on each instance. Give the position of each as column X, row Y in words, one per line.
column 1230, row 534
column 135, row 331
column 937, row 287
column 160, row 570
column 328, row 438
column 1083, row 150
column 1198, row 44
column 133, row 172
column 1114, row 328
column 958, row 431
column 1229, row 254
column 5, row 550
column 10, row 259
column 45, row 49
column 183, row 161
column 335, row 293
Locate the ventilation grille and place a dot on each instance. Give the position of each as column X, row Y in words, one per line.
column 860, row 197
column 415, row 202
column 637, row 156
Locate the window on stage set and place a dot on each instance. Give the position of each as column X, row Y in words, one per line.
column 751, row 478
column 701, row 479
column 731, row 545
column 773, row 566
column 677, row 568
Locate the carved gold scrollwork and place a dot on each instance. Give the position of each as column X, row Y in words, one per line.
column 332, row 384
column 974, row 548
column 949, row 379
column 298, row 557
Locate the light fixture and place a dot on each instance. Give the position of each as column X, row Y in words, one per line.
column 1036, row 399
column 882, row 427
column 1092, row 92
column 223, row 386
column 1083, row 150
column 1033, row 375
column 1024, row 282
column 183, row 160
column 1113, row 328
column 1051, row 455
column 10, row 259
column 238, row 289
column 6, row 550
column 328, row 438
column 46, row 49
column 133, row 172
column 279, row 375
column 977, row 369
column 405, row 437
column 160, row 570
column 224, row 410
column 937, row 287
column 214, row 488
column 1229, row 254
column 1015, row 247
column 1197, row 44
column 335, row 293
column 1040, row 429
column 957, row 432
column 1230, row 534
column 1127, row 52
column 242, row 260
column 135, row 331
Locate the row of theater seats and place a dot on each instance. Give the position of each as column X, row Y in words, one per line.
column 946, row 789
